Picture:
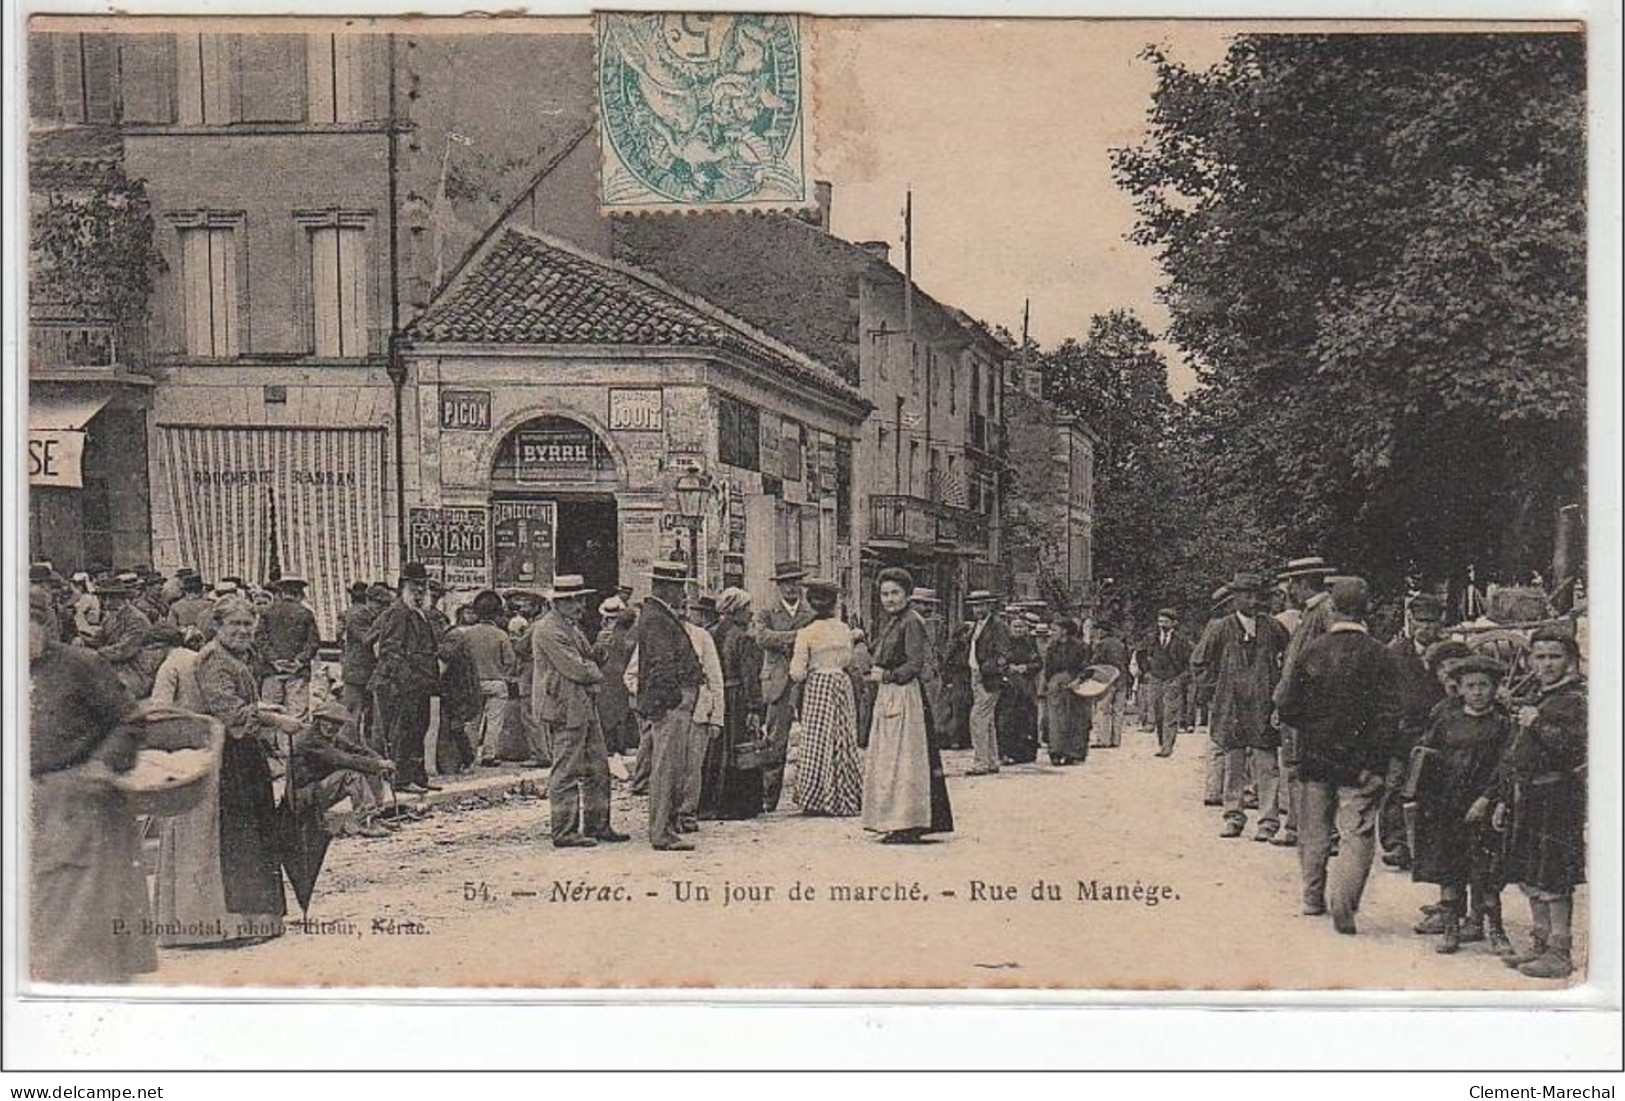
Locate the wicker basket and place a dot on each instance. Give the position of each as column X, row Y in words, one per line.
column 160, row 786
column 1097, row 682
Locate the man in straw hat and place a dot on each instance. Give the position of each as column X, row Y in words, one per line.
column 406, row 676
column 564, row 696
column 775, row 632
column 664, row 676
column 1343, row 698
column 1306, row 617
column 988, row 656
column 1239, row 661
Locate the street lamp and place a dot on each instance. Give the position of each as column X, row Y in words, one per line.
column 692, row 488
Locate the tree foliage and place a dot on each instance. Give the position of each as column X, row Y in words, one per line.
column 1116, row 381
column 1374, row 250
column 92, row 250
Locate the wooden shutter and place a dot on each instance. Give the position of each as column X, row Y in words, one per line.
column 70, row 76
column 100, row 53
column 352, row 288
column 147, row 77
column 221, row 100
column 42, row 87
column 272, row 77
column 324, row 290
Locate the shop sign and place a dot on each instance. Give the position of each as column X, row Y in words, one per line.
column 635, row 411
column 554, row 454
column 55, row 457
column 465, row 410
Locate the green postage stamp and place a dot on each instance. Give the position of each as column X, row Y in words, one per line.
column 701, row 110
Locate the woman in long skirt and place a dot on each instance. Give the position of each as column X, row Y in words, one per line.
column 905, row 795
column 1067, row 717
column 1017, row 716
column 726, row 790
column 249, row 853
column 829, row 776
column 87, row 899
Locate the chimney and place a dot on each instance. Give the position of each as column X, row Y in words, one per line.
column 823, row 196
column 880, row 250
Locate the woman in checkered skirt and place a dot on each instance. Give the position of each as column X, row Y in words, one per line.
column 829, row 777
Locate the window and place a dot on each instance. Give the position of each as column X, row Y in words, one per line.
column 739, row 434
column 210, row 283
column 339, row 284
column 953, row 387
column 791, row 461
column 208, row 92
column 811, row 551
column 73, row 78
column 336, row 78
column 843, row 491
column 913, row 463
column 787, row 533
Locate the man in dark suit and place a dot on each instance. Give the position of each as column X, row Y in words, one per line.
column 1239, row 661
column 287, row 642
column 565, row 698
column 406, row 676
column 1343, row 698
column 989, row 656
column 775, row 632
column 1164, row 660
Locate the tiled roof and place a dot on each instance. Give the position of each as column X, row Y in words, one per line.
column 523, row 288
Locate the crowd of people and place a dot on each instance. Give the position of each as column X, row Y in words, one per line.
column 1342, row 742
column 1334, row 739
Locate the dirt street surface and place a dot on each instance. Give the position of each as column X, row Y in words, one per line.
column 474, row 895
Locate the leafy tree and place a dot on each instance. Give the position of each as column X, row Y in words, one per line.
column 1374, row 249
column 92, row 250
column 1117, row 382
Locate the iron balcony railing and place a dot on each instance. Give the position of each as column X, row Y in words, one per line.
column 64, row 345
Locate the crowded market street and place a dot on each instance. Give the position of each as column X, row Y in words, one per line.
column 452, row 888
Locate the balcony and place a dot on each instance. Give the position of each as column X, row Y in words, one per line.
column 915, row 523
column 71, row 345
column 987, row 436
column 896, row 520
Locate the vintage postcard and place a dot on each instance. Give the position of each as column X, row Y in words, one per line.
column 761, row 501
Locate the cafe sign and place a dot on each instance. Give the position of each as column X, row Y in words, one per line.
column 465, row 410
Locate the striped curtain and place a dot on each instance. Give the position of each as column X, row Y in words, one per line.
column 220, row 483
column 325, row 486
column 330, row 513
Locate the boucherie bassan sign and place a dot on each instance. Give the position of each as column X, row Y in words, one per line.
column 56, row 457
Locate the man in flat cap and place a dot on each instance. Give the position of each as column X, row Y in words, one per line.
column 1306, row 617
column 1240, row 660
column 1419, row 692
column 1164, row 660
column 287, row 642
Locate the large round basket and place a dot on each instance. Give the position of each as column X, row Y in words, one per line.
column 1097, row 682
column 178, row 762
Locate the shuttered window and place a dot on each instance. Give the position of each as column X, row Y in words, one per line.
column 73, row 78
column 208, row 90
column 210, row 278
column 337, row 73
column 272, row 77
column 147, row 77
column 339, row 288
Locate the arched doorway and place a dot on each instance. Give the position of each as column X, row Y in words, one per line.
column 553, row 507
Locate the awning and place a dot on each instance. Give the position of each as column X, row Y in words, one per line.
column 62, row 412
